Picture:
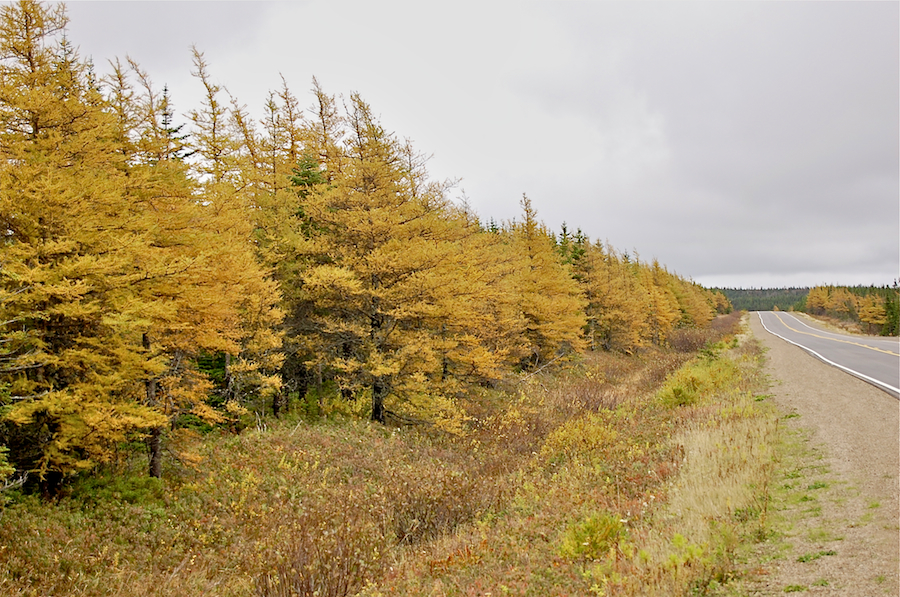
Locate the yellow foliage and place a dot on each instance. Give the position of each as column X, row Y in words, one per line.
column 841, row 302
column 124, row 265
column 393, row 302
column 697, row 380
column 817, row 300
column 586, row 438
column 339, row 280
column 872, row 311
column 548, row 298
column 598, row 536
column 207, row 413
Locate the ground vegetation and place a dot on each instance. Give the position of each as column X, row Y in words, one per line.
column 621, row 475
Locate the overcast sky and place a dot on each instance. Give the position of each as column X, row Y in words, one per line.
column 742, row 144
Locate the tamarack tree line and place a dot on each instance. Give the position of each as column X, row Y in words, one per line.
column 877, row 309
column 154, row 274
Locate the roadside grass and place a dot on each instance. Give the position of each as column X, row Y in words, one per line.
column 812, row 511
column 623, row 475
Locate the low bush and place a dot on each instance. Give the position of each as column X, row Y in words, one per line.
column 431, row 499
column 588, row 439
column 99, row 489
column 687, row 340
column 594, row 537
column 330, row 553
column 701, row 378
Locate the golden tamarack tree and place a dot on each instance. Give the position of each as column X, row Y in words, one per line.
column 547, row 295
column 308, row 244
column 73, row 360
column 394, row 306
column 118, row 268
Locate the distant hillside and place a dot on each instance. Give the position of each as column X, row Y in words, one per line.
column 766, row 299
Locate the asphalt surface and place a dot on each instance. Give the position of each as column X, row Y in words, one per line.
column 870, row 358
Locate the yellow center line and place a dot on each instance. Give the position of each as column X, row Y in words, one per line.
column 834, row 339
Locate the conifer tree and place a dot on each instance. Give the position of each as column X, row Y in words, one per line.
column 721, row 304
column 547, row 295
column 118, row 270
column 241, row 318
column 482, row 326
column 891, row 311
column 72, row 329
column 278, row 171
column 872, row 313
column 203, row 290
column 817, row 300
column 694, row 304
column 841, row 303
column 392, row 310
column 326, row 133
column 618, row 304
column 663, row 313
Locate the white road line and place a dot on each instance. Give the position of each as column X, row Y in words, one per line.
column 817, row 355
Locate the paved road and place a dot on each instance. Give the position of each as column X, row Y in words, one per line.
column 875, row 360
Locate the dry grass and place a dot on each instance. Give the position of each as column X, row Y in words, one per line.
column 582, row 482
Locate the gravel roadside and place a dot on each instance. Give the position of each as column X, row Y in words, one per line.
column 836, row 504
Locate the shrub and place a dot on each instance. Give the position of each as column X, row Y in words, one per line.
column 690, row 339
column 427, row 501
column 594, row 537
column 592, row 395
column 129, row 489
column 701, row 378
column 584, row 439
column 331, row 554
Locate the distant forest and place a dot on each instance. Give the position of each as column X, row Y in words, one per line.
column 766, row 299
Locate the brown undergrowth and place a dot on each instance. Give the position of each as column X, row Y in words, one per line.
column 623, row 475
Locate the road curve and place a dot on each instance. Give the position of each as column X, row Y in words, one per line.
column 872, row 359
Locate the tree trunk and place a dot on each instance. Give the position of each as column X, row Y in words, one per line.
column 319, row 380
column 229, row 380
column 155, row 444
column 346, row 392
column 379, row 393
column 279, row 402
column 155, row 441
